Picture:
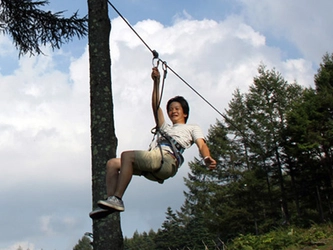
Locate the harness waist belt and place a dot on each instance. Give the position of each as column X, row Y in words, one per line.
column 176, row 144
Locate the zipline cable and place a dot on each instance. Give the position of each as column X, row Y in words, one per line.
column 195, row 91
column 129, row 25
column 155, row 56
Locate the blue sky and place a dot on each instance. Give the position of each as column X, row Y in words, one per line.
column 216, row 46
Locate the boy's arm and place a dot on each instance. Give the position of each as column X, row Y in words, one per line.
column 204, row 152
column 158, row 113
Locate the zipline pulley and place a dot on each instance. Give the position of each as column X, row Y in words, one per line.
column 155, row 54
column 155, row 59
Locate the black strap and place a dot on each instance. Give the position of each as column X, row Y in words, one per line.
column 177, row 149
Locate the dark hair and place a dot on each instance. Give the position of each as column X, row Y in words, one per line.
column 183, row 103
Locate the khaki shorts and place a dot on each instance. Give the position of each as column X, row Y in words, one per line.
column 148, row 164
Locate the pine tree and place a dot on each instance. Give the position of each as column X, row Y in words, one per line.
column 30, row 27
column 268, row 103
column 248, row 190
column 324, row 90
column 310, row 146
column 168, row 236
column 83, row 244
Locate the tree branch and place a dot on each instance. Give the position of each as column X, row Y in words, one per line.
column 31, row 27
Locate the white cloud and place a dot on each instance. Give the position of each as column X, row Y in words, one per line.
column 298, row 71
column 44, row 150
column 42, row 113
column 45, row 225
column 305, row 24
column 6, row 46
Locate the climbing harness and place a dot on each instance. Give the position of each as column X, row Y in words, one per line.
column 162, row 138
column 177, row 149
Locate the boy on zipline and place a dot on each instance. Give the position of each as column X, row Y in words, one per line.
column 159, row 163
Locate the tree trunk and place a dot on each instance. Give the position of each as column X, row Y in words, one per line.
column 284, row 201
column 107, row 232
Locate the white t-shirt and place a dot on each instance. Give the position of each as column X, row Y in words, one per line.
column 184, row 134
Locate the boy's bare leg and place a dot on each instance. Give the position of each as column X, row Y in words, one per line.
column 119, row 175
column 125, row 173
column 112, row 173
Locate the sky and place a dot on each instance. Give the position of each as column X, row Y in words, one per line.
column 215, row 45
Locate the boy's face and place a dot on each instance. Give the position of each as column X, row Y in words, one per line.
column 176, row 113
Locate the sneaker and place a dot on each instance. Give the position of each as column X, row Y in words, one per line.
column 112, row 202
column 100, row 213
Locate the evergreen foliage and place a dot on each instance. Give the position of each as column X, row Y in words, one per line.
column 274, row 155
column 83, row 244
column 31, row 27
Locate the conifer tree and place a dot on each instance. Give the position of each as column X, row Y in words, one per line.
column 268, row 102
column 249, row 189
column 83, row 244
column 31, row 27
column 168, row 236
column 310, row 146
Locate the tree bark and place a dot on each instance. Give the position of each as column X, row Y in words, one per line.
column 107, row 232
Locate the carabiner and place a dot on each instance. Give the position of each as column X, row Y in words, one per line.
column 157, row 62
column 164, row 67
